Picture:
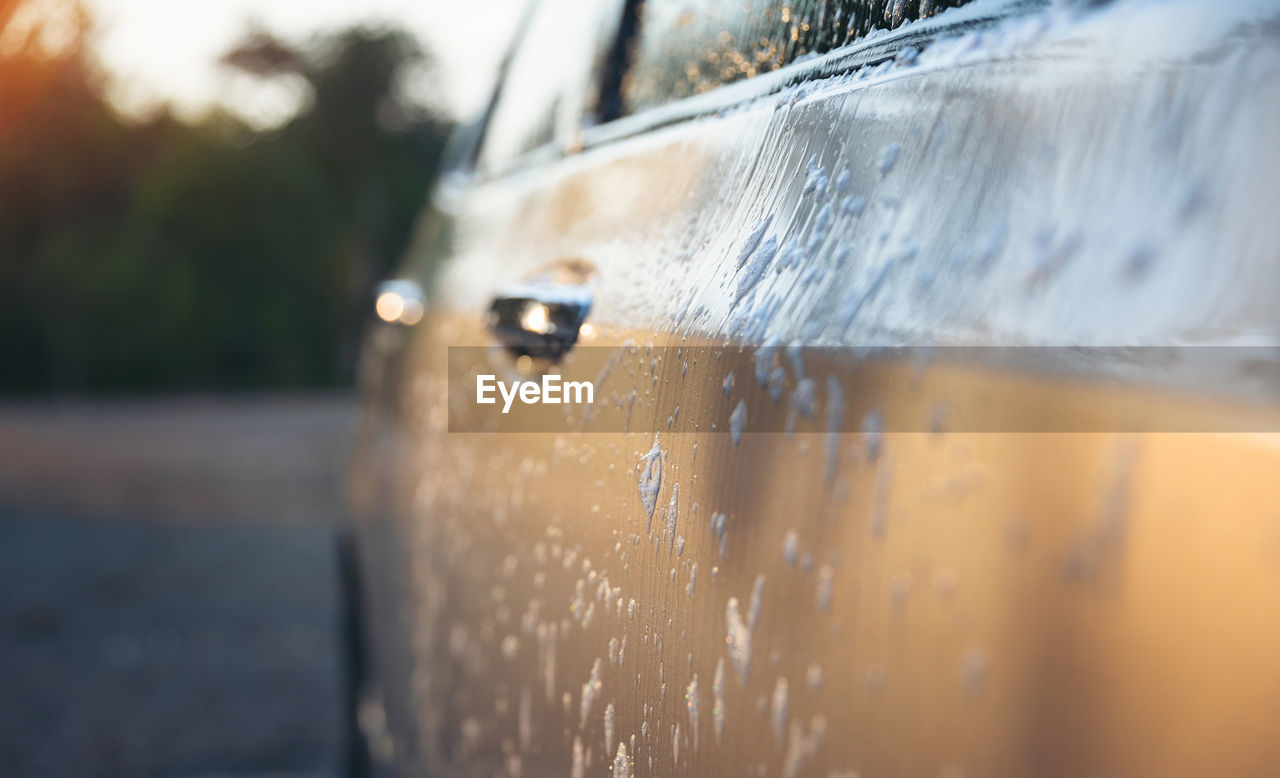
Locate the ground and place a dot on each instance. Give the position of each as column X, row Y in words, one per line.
column 168, row 594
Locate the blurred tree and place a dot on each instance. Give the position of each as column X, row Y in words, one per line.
column 371, row 145
column 166, row 256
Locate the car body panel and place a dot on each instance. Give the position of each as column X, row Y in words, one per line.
column 921, row 599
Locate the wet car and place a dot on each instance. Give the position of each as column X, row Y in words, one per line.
column 932, row 410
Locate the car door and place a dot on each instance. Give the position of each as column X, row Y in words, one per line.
column 934, row 401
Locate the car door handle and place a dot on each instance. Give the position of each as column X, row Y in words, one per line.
column 539, row 319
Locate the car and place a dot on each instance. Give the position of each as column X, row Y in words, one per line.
column 933, row 400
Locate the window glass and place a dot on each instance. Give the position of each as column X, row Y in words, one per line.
column 687, row 47
column 547, row 87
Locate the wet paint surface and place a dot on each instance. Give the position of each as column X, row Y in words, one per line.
column 873, row 602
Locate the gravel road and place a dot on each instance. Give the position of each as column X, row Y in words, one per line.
column 168, row 596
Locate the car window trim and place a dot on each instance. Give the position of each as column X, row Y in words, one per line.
column 868, row 51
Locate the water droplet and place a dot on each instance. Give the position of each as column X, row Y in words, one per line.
column 1051, row 255
column 738, row 639
column 740, row 630
column 738, row 420
column 991, row 246
column 813, row 676
column 1139, row 262
column 861, row 293
column 757, row 602
column 779, row 705
column 651, row 481
column 718, row 529
column 889, row 157
column 834, row 420
column 777, row 383
column 622, row 763
column 842, row 180
column 815, row 178
column 791, row 547
column 790, row 255
column 821, row 221
column 753, row 240
column 753, row 271
column 691, row 701
column 524, row 722
column 873, row 434
column 717, row 694
column 547, row 634
column 672, row 510
column 1105, row 539
column 826, row 581
column 579, row 769
column 608, row 727
column 852, row 205
column 590, row 691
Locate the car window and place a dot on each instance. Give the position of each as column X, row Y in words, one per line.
column 686, row 47
column 548, row 86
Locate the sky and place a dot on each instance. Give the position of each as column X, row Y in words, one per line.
column 167, row 51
